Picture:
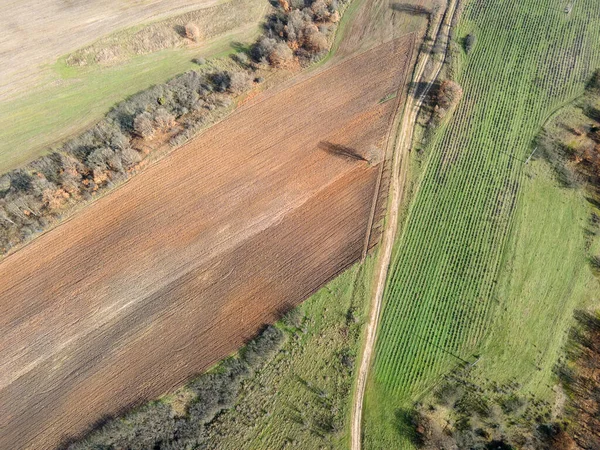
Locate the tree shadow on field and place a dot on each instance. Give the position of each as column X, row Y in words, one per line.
column 68, row 440
column 341, row 151
column 416, row 10
column 180, row 30
column 240, row 47
column 594, row 201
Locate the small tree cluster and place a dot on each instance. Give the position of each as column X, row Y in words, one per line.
column 580, row 378
column 297, row 29
column 447, row 97
column 466, row 414
column 155, row 425
column 572, row 146
column 38, row 191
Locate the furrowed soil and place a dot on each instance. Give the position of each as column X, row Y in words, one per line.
column 176, row 269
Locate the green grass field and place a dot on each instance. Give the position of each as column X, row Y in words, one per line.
column 545, row 276
column 302, row 397
column 479, row 268
column 70, row 99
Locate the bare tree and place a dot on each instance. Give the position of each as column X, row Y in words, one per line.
column 163, row 118
column 316, row 42
column 143, row 125
column 239, row 82
column 280, row 55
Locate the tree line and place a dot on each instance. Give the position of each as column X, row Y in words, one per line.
column 158, row 426
column 106, row 154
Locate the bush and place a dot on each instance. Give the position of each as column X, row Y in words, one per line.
column 192, row 32
column 4, row 183
column 221, row 81
column 20, row 180
column 469, row 42
column 263, row 347
column 262, row 48
column 163, row 118
column 242, row 58
column 143, row 125
column 446, row 98
column 320, row 10
column 239, row 82
column 316, row 42
column 280, row 55
column 298, row 29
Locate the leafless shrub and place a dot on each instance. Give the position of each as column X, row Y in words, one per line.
column 143, row 125
column 4, row 183
column 280, row 55
column 221, row 80
column 239, row 82
column 262, row 48
column 242, row 58
column 163, row 118
column 320, row 10
column 316, row 42
column 447, row 97
column 192, row 32
column 130, row 157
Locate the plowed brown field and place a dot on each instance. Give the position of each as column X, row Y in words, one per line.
column 159, row 280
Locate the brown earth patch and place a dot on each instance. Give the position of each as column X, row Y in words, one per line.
column 176, row 269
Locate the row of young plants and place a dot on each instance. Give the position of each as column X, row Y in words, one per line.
column 477, row 407
column 527, row 58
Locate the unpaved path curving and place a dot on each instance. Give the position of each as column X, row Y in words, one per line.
column 403, row 142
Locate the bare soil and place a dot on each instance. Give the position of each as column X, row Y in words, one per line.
column 176, row 269
column 36, row 32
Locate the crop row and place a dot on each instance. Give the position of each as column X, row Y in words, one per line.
column 529, row 58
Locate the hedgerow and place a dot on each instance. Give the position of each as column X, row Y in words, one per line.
column 157, row 426
column 108, row 153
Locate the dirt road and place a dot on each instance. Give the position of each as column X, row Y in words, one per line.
column 426, row 72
